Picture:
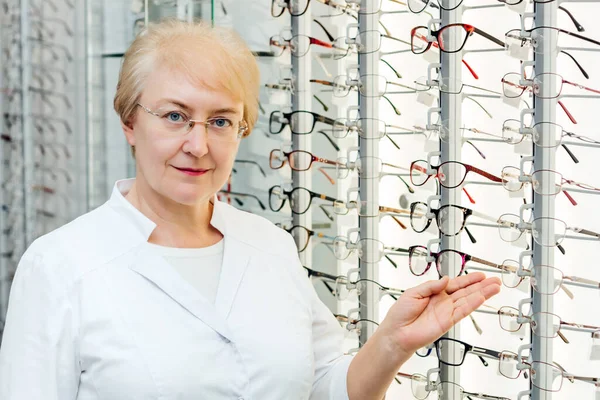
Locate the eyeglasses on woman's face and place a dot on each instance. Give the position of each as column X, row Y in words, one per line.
column 176, row 122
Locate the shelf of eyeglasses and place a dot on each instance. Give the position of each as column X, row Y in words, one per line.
column 346, row 287
column 366, row 167
column 510, row 365
column 421, row 387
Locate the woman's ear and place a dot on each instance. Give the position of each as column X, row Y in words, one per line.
column 128, row 131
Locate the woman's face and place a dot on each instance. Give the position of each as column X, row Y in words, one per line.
column 187, row 168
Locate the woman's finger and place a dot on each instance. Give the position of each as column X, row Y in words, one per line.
column 464, row 281
column 476, row 287
column 428, row 288
column 467, row 304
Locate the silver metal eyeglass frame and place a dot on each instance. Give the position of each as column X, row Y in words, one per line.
column 242, row 125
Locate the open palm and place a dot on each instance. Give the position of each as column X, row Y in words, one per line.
column 424, row 313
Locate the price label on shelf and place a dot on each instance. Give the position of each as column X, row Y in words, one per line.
column 519, row 51
column 432, row 55
column 431, row 145
column 517, row 194
column 420, row 391
column 524, row 286
column 519, row 333
column 511, row 101
column 521, row 242
column 595, row 350
column 426, row 98
column 524, row 147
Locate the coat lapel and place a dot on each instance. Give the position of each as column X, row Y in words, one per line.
column 235, row 258
column 235, row 263
column 153, row 267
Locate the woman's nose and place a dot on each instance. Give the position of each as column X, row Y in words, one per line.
column 196, row 140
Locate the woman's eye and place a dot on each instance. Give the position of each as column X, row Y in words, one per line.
column 221, row 123
column 175, row 117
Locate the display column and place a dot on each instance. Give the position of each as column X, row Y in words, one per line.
column 451, row 116
column 544, row 159
column 27, row 132
column 301, row 101
column 368, row 222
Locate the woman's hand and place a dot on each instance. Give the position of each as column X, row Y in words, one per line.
column 424, row 313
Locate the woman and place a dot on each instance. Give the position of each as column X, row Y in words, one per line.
column 165, row 292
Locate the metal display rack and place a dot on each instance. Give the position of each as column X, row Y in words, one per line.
column 369, row 151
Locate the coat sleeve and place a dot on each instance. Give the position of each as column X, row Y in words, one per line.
column 38, row 353
column 331, row 365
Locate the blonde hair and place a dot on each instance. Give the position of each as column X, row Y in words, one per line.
column 172, row 43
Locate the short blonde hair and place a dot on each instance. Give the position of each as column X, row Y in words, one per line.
column 172, row 43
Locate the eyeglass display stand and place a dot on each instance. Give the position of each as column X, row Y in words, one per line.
column 368, row 223
column 451, row 116
column 544, row 158
column 27, row 130
column 302, row 100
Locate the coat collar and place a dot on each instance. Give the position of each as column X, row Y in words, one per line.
column 153, row 267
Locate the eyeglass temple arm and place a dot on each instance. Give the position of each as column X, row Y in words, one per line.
column 483, row 396
column 399, row 222
column 312, row 272
column 481, row 172
column 588, row 232
column 262, row 171
column 324, row 119
column 262, row 206
column 396, row 111
column 488, row 352
column 582, row 280
column 485, row 262
column 476, row 149
column 573, row 34
column 583, row 71
column 581, row 86
column 335, row 146
column 329, row 36
column 392, row 68
column 578, row 26
column 571, row 117
column 484, row 216
column 480, row 106
column 489, row 37
column 587, row 379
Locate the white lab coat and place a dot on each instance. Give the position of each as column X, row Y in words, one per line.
column 94, row 313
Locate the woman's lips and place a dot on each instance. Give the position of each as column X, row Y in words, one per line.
column 192, row 171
